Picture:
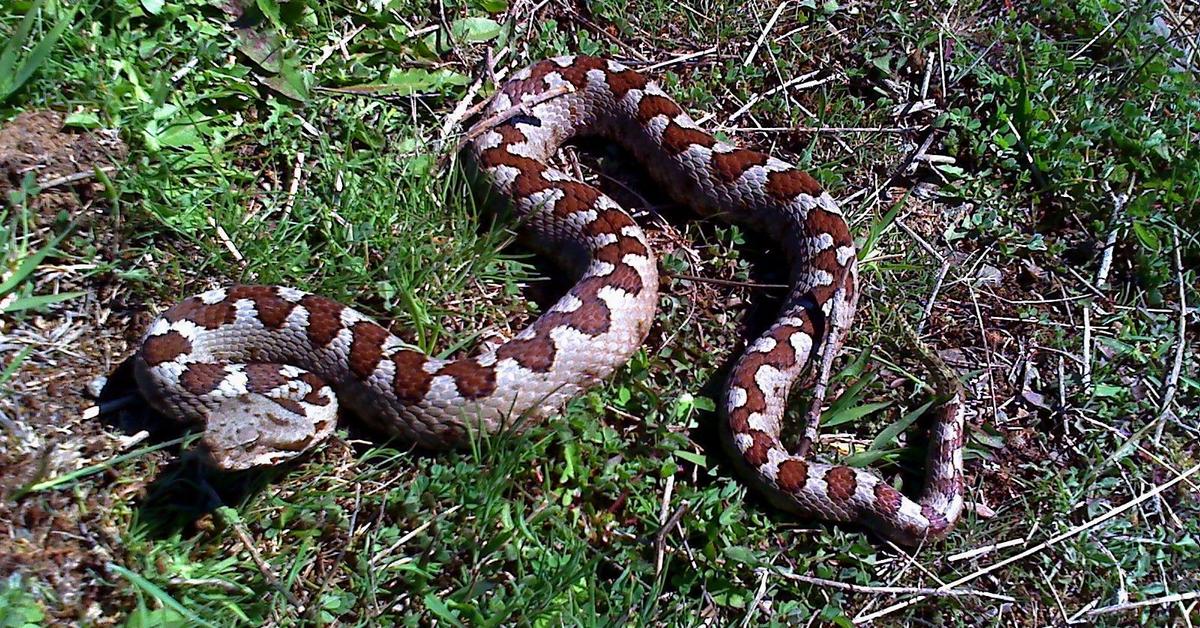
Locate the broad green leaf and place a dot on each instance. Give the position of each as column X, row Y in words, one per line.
column 473, row 30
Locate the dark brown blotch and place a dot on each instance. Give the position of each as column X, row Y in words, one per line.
column 315, row 385
column 272, row 310
column 730, row 166
column 264, row 377
column 652, row 105
column 841, row 482
column 202, row 314
column 792, row 475
column 472, row 380
column 887, row 499
column 621, row 82
column 410, row 382
column 677, row 139
column 202, row 378
column 324, row 319
column 164, row 347
column 366, row 348
column 785, row 185
column 536, row 353
column 576, row 197
column 576, row 73
column 756, row 454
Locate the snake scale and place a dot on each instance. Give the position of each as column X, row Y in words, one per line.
column 263, row 368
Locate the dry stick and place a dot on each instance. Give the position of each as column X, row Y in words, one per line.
column 933, row 294
column 1107, row 27
column 823, row 129
column 485, row 125
column 756, row 98
column 660, row 539
column 267, row 572
column 1166, row 599
column 663, row 518
column 462, row 111
column 987, row 352
column 766, row 29
column 986, row 549
column 225, row 239
column 1172, row 382
column 1110, row 243
column 1086, row 376
column 758, row 596
column 863, row 588
column 328, row 51
column 1084, row 527
column 294, row 184
column 679, row 59
column 72, row 178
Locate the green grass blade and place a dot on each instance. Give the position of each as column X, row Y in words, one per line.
column 14, row 365
column 96, row 468
column 39, row 301
column 157, row 593
column 41, row 52
column 30, row 264
column 8, row 58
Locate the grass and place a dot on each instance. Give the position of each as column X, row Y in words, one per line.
column 300, row 143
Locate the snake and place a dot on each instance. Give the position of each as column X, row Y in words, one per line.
column 264, row 369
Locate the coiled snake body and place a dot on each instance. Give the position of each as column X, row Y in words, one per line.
column 258, row 366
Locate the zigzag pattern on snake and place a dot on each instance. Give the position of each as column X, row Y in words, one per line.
column 263, row 368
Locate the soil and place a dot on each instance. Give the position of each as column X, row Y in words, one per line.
column 60, row 160
column 60, row 541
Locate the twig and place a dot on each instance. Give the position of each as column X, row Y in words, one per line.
column 1084, row 527
column 224, row 238
column 766, row 29
column 1166, row 599
column 1110, row 243
column 294, row 185
column 821, row 129
column 679, row 59
column 72, row 178
column 864, row 588
column 986, row 549
column 268, row 573
column 660, row 538
column 328, row 51
column 1086, row 375
column 933, row 294
column 1078, row 53
column 1172, row 382
column 803, row 81
column 483, row 126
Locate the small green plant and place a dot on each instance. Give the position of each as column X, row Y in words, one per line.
column 18, row 608
column 21, row 257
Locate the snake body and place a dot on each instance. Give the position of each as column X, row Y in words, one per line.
column 263, row 367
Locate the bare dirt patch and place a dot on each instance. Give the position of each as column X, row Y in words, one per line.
column 56, row 543
column 62, row 161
